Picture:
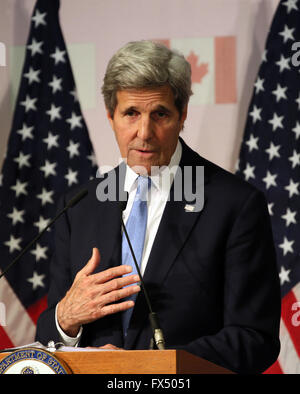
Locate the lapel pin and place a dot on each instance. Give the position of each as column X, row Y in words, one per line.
column 189, row 208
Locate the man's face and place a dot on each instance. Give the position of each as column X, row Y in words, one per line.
column 147, row 124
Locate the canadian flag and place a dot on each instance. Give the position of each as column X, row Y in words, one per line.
column 213, row 62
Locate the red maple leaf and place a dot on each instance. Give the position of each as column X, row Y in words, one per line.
column 198, row 71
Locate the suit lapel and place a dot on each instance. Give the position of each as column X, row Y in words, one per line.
column 110, row 222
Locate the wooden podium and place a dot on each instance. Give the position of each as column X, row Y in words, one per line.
column 138, row 362
column 135, row 362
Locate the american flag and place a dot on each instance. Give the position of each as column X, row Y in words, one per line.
column 49, row 152
column 270, row 160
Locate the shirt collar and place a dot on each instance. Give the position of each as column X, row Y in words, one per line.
column 164, row 177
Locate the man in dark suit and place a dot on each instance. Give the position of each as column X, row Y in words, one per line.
column 210, row 272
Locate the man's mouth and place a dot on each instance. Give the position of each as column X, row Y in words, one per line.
column 145, row 152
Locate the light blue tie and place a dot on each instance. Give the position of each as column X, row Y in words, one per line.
column 136, row 229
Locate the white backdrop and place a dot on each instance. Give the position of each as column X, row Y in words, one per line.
column 95, row 29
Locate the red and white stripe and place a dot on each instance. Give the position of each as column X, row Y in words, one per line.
column 17, row 324
column 288, row 361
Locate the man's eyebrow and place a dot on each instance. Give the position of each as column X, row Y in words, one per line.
column 128, row 109
column 159, row 107
column 162, row 108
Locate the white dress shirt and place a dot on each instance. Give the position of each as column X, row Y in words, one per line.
column 161, row 183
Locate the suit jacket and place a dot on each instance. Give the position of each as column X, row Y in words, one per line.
column 211, row 275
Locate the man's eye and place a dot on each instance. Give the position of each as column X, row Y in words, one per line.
column 160, row 115
column 130, row 113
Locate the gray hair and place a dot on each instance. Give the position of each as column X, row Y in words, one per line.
column 146, row 64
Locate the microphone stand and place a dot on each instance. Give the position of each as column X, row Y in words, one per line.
column 70, row 204
column 157, row 331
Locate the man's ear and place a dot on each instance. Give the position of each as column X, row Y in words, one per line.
column 109, row 117
column 183, row 116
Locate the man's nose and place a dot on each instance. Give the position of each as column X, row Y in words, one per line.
column 145, row 128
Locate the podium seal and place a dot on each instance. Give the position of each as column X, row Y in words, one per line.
column 28, row 361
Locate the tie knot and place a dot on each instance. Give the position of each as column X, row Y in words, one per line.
column 144, row 183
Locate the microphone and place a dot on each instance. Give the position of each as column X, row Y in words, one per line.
column 71, row 203
column 157, row 331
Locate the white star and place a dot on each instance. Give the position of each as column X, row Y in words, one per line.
column 252, row 143
column 287, row 34
column 13, row 244
column 249, row 172
column 32, row 75
column 283, row 63
column 237, row 165
column 51, row 140
column 295, row 159
column 73, row 149
column 74, row 120
column 264, row 56
column 55, row 84
column 74, row 94
column 58, row 56
column 19, row 188
column 39, row 19
column 22, row 160
column 289, row 217
column 290, row 5
column 280, row 93
column 36, row 280
column 46, row 197
column 35, row 47
column 270, row 208
column 16, row 216
column 286, row 246
column 39, row 252
column 298, row 101
column 292, row 188
column 259, row 85
column 25, row 132
column 54, row 113
column 48, row 168
column 273, row 151
column 29, row 103
column 296, row 130
column 71, row 177
column 270, row 180
column 41, row 223
column 93, row 159
column 276, row 121
column 284, row 275
column 255, row 114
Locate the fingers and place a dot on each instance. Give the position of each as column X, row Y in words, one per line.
column 95, row 295
column 91, row 265
column 110, row 347
column 103, row 276
column 118, row 283
column 115, row 308
column 111, row 273
column 115, row 296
